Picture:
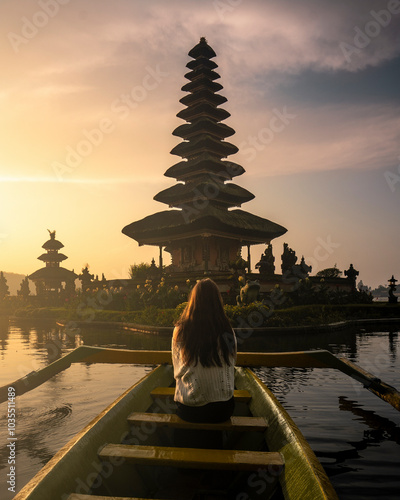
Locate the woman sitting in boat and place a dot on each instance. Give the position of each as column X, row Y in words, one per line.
column 204, row 356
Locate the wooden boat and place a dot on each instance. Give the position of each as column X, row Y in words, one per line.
column 129, row 451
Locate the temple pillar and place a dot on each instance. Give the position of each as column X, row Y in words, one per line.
column 248, row 259
column 161, row 259
column 206, row 253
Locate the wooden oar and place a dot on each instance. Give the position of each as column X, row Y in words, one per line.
column 302, row 359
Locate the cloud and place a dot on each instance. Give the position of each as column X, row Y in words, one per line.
column 320, row 139
column 285, row 36
column 69, row 75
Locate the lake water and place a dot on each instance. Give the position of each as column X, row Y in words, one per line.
column 355, row 435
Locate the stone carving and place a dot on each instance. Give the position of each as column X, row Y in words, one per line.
column 289, row 258
column 248, row 293
column 86, row 278
column 392, row 289
column 302, row 270
column 266, row 265
column 351, row 275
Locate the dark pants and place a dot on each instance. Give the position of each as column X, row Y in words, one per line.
column 210, row 413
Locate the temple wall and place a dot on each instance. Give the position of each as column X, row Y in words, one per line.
column 198, row 252
column 188, row 254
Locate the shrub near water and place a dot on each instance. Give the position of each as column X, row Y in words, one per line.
column 40, row 312
column 151, row 316
column 244, row 316
column 254, row 314
column 258, row 315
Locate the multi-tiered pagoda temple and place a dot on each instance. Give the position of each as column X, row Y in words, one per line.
column 202, row 230
column 50, row 278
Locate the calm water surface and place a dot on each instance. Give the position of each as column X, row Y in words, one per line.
column 355, row 435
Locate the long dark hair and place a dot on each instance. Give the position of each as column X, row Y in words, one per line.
column 204, row 329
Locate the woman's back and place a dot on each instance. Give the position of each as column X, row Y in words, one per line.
column 197, row 385
column 204, row 353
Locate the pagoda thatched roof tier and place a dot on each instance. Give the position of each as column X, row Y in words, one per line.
column 207, row 188
column 202, row 84
column 53, row 273
column 52, row 257
column 203, row 96
column 201, row 62
column 52, row 244
column 164, row 227
column 204, row 144
column 199, row 73
column 203, row 126
column 203, row 110
column 204, row 164
column 202, row 49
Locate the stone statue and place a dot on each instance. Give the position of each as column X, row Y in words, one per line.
column 289, row 258
column 392, row 288
column 302, row 270
column 239, row 264
column 248, row 293
column 153, row 271
column 266, row 265
column 351, row 275
column 86, row 278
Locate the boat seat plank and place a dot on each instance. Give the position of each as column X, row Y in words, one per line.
column 241, row 424
column 192, row 458
column 81, row 496
column 167, row 392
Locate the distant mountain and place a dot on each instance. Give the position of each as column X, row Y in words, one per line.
column 14, row 282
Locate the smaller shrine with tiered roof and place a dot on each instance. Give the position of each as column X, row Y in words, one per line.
column 49, row 279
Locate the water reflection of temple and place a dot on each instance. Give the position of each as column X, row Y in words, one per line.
column 4, row 332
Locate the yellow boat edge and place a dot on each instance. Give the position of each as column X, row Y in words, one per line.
column 303, row 476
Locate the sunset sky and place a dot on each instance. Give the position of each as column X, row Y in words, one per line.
column 111, row 73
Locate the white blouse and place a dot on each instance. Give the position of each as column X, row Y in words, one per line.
column 197, row 385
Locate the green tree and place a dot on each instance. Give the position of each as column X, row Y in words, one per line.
column 329, row 272
column 24, row 290
column 4, row 290
column 139, row 270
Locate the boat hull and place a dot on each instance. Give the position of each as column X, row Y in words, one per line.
column 302, row 476
column 77, row 468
